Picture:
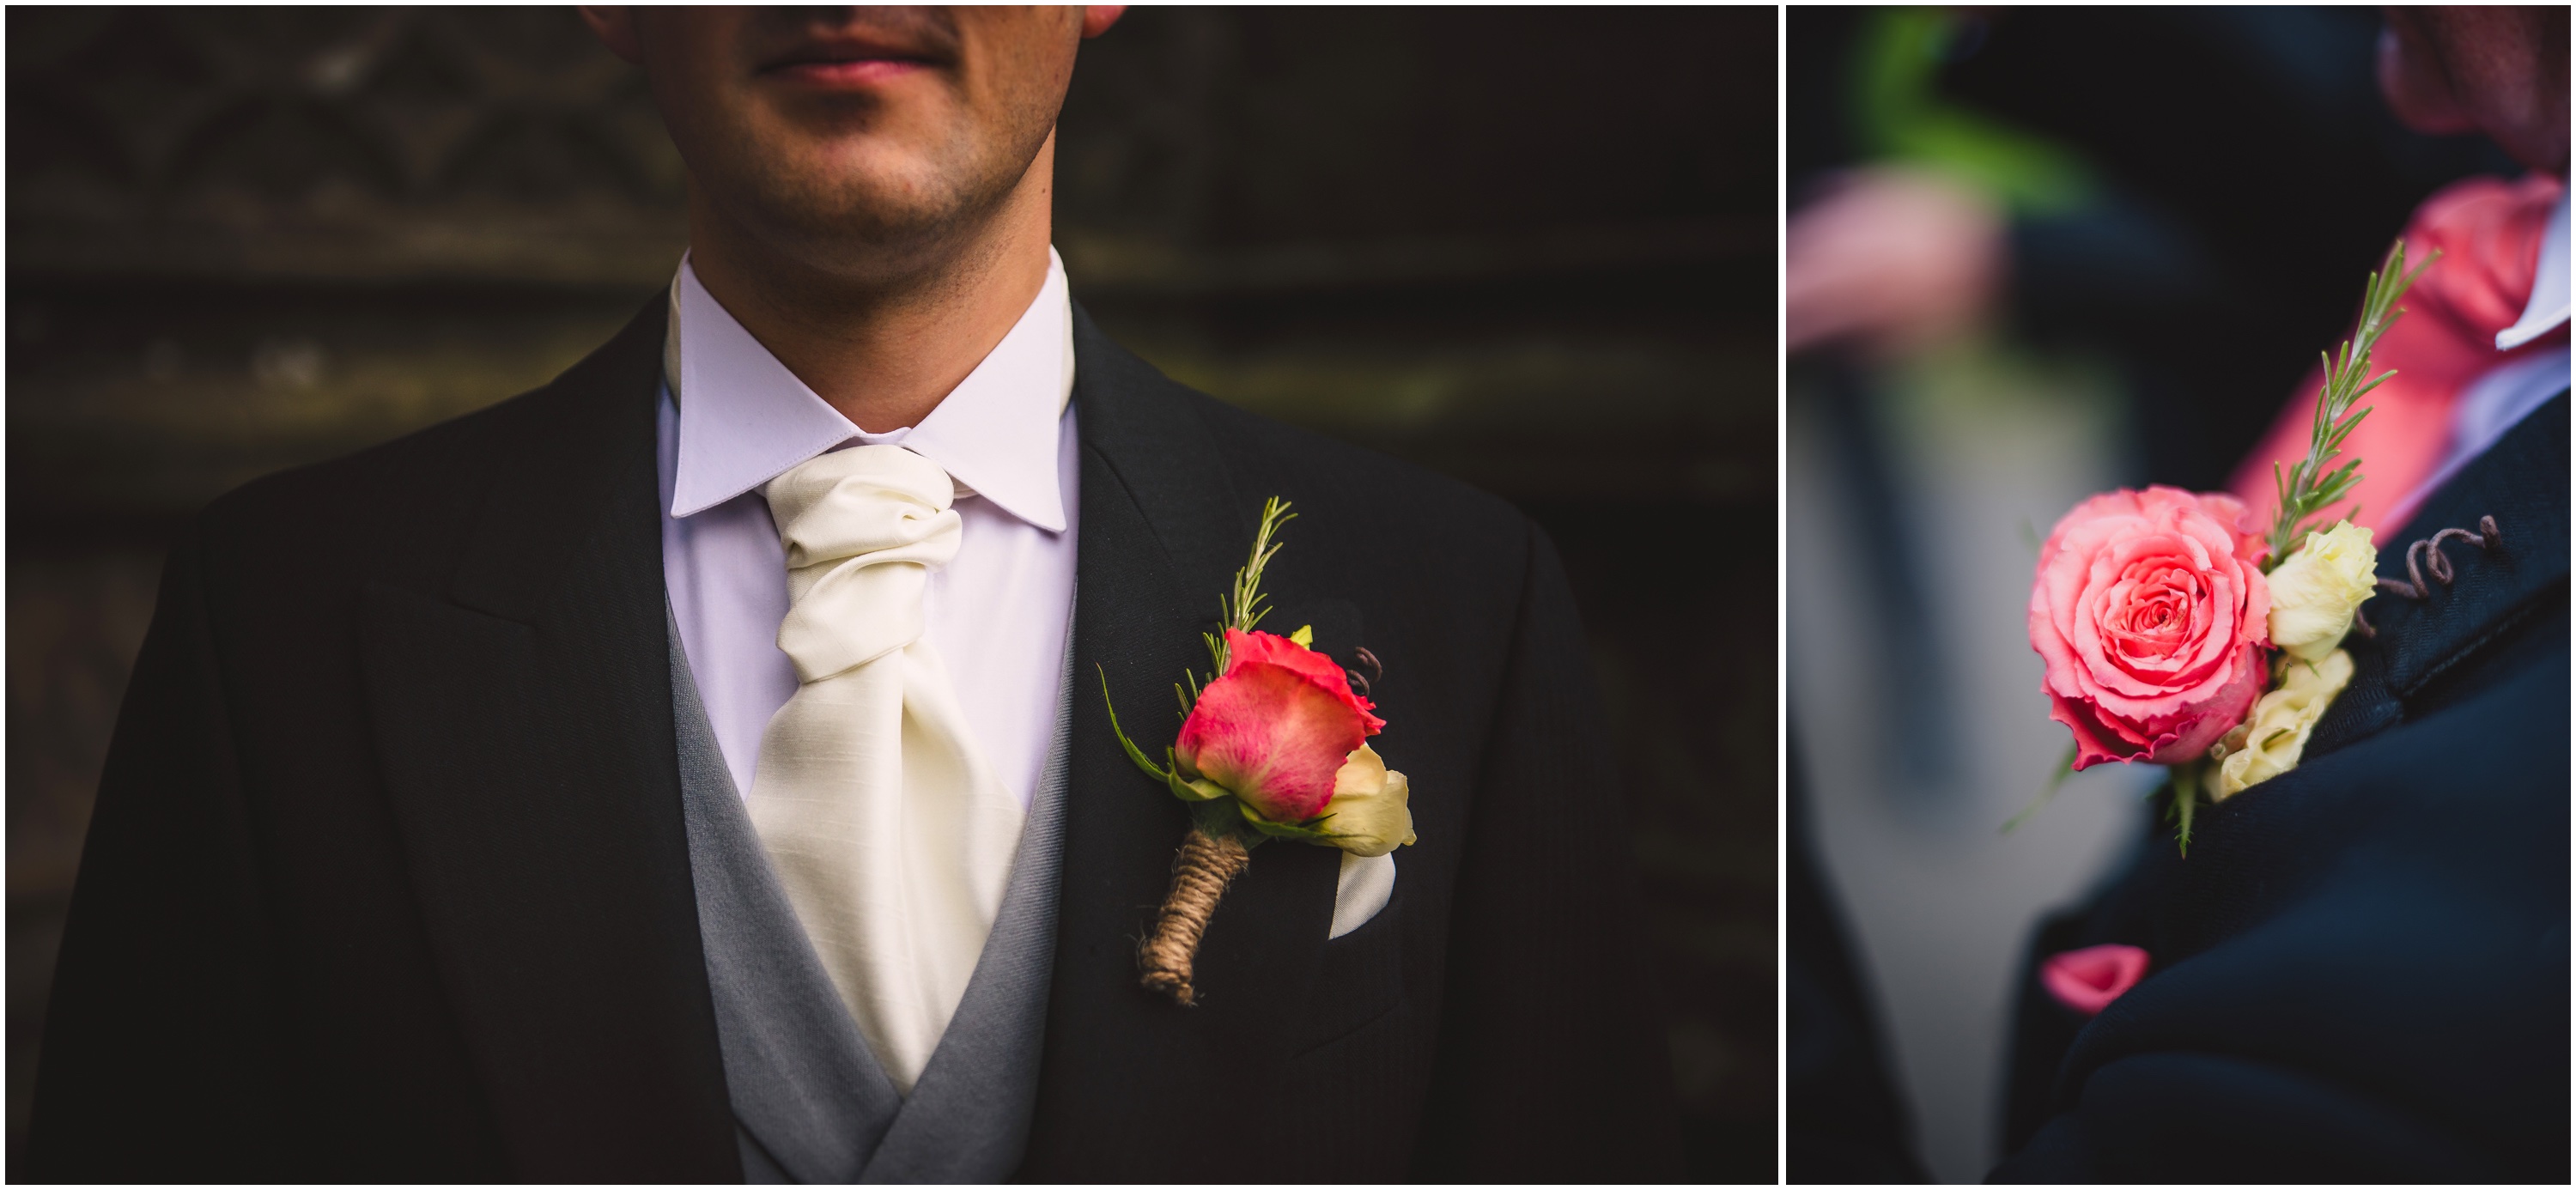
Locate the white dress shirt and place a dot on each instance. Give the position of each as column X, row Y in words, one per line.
column 999, row 614
column 2512, row 390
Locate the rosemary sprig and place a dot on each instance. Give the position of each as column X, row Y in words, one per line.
column 1240, row 610
column 2309, row 488
column 1243, row 610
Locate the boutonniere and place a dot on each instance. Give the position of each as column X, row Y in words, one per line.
column 1273, row 745
column 2179, row 631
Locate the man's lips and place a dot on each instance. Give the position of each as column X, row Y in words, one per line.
column 848, row 62
column 847, row 72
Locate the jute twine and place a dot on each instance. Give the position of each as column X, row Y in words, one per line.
column 1199, row 876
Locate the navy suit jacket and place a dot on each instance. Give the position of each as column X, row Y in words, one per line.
column 2360, row 972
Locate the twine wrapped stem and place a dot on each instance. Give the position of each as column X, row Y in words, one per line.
column 1200, row 873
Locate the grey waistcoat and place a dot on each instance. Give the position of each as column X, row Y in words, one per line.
column 810, row 1101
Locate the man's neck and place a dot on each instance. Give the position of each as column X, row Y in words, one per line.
column 884, row 355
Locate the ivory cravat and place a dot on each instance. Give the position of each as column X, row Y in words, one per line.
column 891, row 835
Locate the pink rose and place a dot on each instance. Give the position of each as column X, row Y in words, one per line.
column 2150, row 612
column 1276, row 727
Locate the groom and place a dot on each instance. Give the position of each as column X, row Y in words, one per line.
column 698, row 769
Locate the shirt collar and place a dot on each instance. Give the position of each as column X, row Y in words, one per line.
column 2547, row 309
column 744, row 418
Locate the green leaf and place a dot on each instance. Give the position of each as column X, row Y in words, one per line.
column 1134, row 753
column 2065, row 768
column 2186, row 785
column 1304, row 637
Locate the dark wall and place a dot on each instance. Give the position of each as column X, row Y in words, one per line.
column 1533, row 248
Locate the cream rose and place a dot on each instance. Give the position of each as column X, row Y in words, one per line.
column 1368, row 812
column 2318, row 587
column 2269, row 743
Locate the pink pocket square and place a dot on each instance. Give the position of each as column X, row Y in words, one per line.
column 2087, row 980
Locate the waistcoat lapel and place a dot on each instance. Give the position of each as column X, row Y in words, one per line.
column 810, row 1099
column 812, row 1102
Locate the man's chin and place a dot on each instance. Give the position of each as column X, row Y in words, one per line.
column 867, row 201
column 878, row 233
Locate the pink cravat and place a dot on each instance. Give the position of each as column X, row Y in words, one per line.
column 2489, row 232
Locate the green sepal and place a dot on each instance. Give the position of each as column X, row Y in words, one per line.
column 1201, row 790
column 1308, row 831
column 1216, row 819
column 1304, row 637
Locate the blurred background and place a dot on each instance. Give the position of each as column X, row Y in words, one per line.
column 2033, row 253
column 1532, row 249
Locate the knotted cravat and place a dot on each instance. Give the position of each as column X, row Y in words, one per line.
column 891, row 834
column 2489, row 232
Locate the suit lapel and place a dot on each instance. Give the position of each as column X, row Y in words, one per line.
column 523, row 716
column 2522, row 482
column 1162, row 529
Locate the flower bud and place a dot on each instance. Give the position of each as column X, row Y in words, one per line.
column 2316, row 589
column 1369, row 816
column 2270, row 742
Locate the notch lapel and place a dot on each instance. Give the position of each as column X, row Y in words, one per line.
column 1126, row 1072
column 523, row 720
column 2522, row 482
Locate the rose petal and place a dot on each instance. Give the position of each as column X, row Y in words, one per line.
column 2096, row 740
column 1263, row 648
column 1276, row 727
column 2193, row 732
column 2149, row 617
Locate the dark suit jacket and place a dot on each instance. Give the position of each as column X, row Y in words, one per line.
column 2360, row 972
column 387, row 878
